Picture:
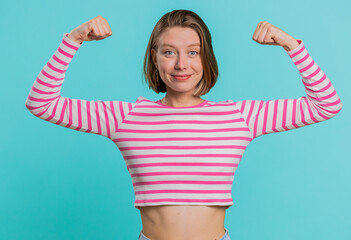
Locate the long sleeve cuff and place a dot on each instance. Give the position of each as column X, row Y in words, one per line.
column 71, row 42
column 295, row 49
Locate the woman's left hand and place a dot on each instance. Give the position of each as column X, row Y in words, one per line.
column 269, row 34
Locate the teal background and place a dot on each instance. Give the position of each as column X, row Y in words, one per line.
column 57, row 183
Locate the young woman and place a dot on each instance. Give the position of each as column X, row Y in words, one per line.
column 182, row 150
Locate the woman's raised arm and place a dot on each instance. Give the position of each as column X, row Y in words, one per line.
column 320, row 103
column 45, row 101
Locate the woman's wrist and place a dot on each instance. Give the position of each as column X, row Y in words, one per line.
column 291, row 45
column 74, row 39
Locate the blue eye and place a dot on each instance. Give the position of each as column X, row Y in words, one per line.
column 167, row 51
column 195, row 52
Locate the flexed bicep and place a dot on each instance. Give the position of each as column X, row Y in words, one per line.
column 45, row 100
column 320, row 103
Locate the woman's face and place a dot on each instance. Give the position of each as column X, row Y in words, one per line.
column 178, row 53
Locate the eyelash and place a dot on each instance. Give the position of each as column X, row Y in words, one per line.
column 171, row 51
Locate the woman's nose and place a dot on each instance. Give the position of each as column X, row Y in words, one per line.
column 182, row 62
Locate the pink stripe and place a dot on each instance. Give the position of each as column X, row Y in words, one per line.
column 114, row 115
column 298, row 52
column 183, row 182
column 183, row 122
column 183, row 200
column 181, row 155
column 250, row 112
column 69, row 45
column 59, row 60
column 316, row 82
column 88, row 117
column 330, row 104
column 302, row 59
column 265, row 117
column 63, row 110
column 107, row 122
column 182, row 173
column 70, row 113
column 42, row 100
column 97, row 117
column 314, row 73
column 47, row 84
column 182, row 130
column 294, row 109
column 121, row 110
column 63, row 52
column 50, row 76
column 182, row 164
column 310, row 110
column 130, row 106
column 256, row 119
column 79, row 115
column 284, row 114
column 55, row 69
column 243, row 106
column 275, row 116
column 33, row 108
column 322, row 89
column 182, row 191
column 183, row 147
column 333, row 112
column 302, row 112
column 42, row 92
column 54, row 110
column 323, row 98
column 307, row 68
column 44, row 111
column 182, row 139
column 41, row 113
column 321, row 114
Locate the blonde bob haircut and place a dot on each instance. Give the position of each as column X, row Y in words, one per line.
column 182, row 18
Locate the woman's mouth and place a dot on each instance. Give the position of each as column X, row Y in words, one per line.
column 181, row 77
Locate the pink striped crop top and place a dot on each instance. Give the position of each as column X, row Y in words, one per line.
column 182, row 155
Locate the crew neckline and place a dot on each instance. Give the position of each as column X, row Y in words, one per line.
column 194, row 106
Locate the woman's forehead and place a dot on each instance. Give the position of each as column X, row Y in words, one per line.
column 176, row 37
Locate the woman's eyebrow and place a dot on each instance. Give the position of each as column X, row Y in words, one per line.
column 194, row 44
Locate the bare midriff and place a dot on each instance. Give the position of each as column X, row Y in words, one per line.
column 183, row 222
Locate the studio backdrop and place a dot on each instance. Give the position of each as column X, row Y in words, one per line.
column 58, row 183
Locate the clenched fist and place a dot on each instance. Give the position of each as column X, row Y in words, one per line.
column 94, row 29
column 267, row 33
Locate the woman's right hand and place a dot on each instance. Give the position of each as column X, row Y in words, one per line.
column 94, row 29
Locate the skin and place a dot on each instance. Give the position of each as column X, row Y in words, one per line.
column 179, row 60
column 196, row 222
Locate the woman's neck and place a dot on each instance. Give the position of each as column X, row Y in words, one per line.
column 181, row 102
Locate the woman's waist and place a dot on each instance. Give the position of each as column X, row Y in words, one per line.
column 182, row 220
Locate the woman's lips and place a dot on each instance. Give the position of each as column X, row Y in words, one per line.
column 181, row 77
